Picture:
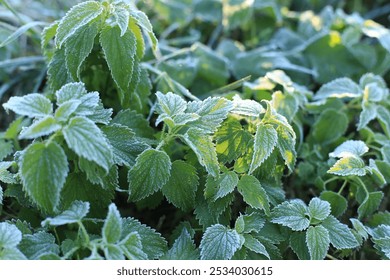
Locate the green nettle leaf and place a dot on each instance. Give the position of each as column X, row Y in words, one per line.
column 33, row 105
column 253, row 193
column 226, row 183
column 150, row 173
column 317, row 240
column 246, row 107
column 119, row 50
column 319, row 210
column 212, row 112
column 10, row 235
column 265, row 141
column 368, row 113
column 170, row 104
column 337, row 202
column 370, row 204
column 35, row 246
column 70, row 91
column 339, row 88
column 122, row 17
column 183, row 248
column 124, row 145
column 66, row 110
column 57, row 71
column 79, row 46
column 11, row 254
column 340, row 235
column 87, row 140
column 204, row 149
column 42, row 127
column 219, row 243
column 112, row 228
column 131, row 247
column 75, row 18
column 349, row 166
column 153, row 244
column 113, row 252
column 253, row 222
column 76, row 212
column 255, row 245
column 43, row 169
column 182, row 185
column 6, row 148
column 350, row 148
column 293, row 214
column 335, row 119
column 299, row 246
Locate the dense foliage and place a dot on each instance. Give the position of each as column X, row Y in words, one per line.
column 196, row 129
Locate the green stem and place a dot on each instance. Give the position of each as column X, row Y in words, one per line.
column 343, row 186
column 331, row 257
column 331, row 180
column 85, row 233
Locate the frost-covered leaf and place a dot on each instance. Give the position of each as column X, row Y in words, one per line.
column 76, row 212
column 10, row 235
column 255, row 245
column 87, row 140
column 330, row 118
column 170, row 104
column 131, row 247
column 182, row 185
column 124, row 144
column 340, row 235
column 246, row 107
column 265, row 141
column 253, row 193
column 33, row 246
column 122, row 17
column 42, row 127
column 153, row 244
column 337, row 202
column 79, row 46
column 76, row 18
column 66, row 110
column 11, row 254
column 149, row 174
column 6, row 148
column 370, row 204
column 183, row 248
column 340, row 88
column 286, row 146
column 119, row 50
column 350, row 148
column 299, row 246
column 113, row 252
column 112, row 228
column 253, row 222
column 317, row 240
column 44, row 168
column 348, row 166
column 226, row 184
column 204, row 149
column 70, row 91
column 212, row 112
column 33, row 105
column 293, row 214
column 368, row 113
column 219, row 243
column 318, row 209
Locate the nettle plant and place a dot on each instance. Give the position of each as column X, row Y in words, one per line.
column 261, row 169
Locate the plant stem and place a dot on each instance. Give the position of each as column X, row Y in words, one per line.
column 342, row 187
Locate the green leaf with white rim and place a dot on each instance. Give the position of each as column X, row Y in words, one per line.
column 66, row 110
column 124, row 144
column 330, row 118
column 153, row 244
column 41, row 127
column 248, row 223
column 119, row 50
column 70, row 91
column 43, row 170
column 113, row 252
column 212, row 112
column 348, row 166
column 319, row 210
column 246, row 107
column 255, row 245
column 368, row 114
column 169, row 105
column 11, row 254
column 131, row 247
column 349, row 148
column 339, row 88
column 317, row 240
column 182, row 249
column 88, row 141
column 150, row 173
column 253, row 193
column 79, row 46
column 112, row 227
column 299, row 246
column 338, row 203
column 266, row 139
column 227, row 182
column 204, row 149
column 122, row 17
column 181, row 187
column 219, row 243
column 286, row 146
column 10, row 235
column 78, row 16
column 33, row 246
column 370, row 204
column 340, row 235
column 76, row 212
column 293, row 214
column 33, row 105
